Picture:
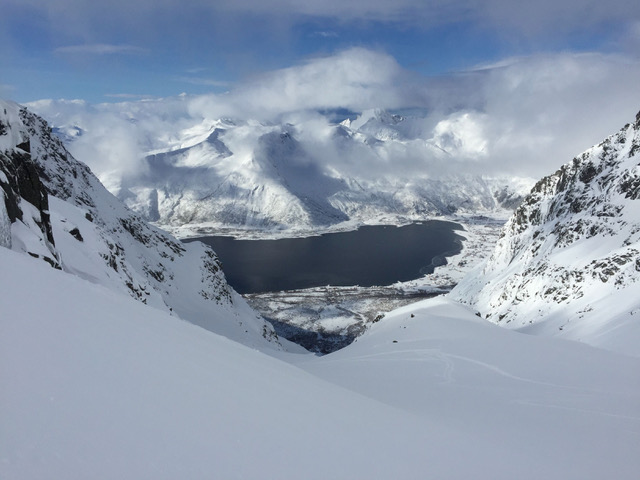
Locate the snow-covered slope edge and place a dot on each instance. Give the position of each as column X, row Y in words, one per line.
column 57, row 210
column 568, row 260
column 96, row 385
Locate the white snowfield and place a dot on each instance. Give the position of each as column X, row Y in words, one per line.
column 97, row 385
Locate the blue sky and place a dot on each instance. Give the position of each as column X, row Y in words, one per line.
column 114, row 50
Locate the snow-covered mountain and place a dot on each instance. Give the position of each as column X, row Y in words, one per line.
column 306, row 173
column 94, row 384
column 568, row 260
column 55, row 209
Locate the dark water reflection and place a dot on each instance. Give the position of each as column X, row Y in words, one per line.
column 371, row 255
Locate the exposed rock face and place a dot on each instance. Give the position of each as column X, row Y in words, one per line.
column 51, row 200
column 5, row 226
column 569, row 257
column 20, row 181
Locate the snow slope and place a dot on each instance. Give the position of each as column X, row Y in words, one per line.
column 568, row 260
column 63, row 214
column 96, row 385
column 544, row 407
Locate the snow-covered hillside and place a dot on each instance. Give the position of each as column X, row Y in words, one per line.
column 303, row 174
column 54, row 208
column 96, row 385
column 568, row 260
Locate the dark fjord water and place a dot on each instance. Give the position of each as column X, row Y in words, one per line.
column 372, row 255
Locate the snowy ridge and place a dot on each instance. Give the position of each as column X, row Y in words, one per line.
column 568, row 260
column 97, row 238
column 25, row 202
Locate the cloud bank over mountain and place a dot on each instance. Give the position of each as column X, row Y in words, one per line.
column 523, row 116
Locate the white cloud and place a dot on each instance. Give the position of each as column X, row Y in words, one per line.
column 326, row 34
column 524, row 116
column 206, row 82
column 129, row 96
column 100, row 49
column 462, row 133
column 116, row 136
column 541, row 111
column 356, row 78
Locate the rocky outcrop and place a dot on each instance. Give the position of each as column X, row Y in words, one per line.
column 52, row 199
column 569, row 257
column 20, row 182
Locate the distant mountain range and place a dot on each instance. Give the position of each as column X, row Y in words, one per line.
column 373, row 166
